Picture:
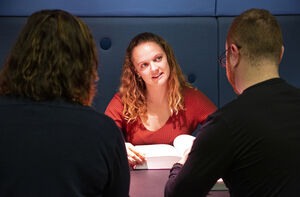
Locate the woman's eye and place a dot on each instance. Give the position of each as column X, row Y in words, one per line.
column 144, row 65
column 158, row 58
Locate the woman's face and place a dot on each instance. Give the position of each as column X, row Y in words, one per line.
column 150, row 62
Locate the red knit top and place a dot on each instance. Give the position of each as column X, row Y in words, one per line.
column 197, row 108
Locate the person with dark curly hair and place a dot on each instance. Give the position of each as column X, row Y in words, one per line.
column 155, row 103
column 52, row 142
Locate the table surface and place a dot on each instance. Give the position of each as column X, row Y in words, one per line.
column 151, row 183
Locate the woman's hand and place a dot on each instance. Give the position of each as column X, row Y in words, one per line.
column 134, row 157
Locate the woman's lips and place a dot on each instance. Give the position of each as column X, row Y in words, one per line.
column 157, row 76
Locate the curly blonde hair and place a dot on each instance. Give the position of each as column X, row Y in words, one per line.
column 133, row 88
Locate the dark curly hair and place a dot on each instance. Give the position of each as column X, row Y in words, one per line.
column 54, row 57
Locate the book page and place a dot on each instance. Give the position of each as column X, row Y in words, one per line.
column 158, row 156
column 157, row 150
column 183, row 143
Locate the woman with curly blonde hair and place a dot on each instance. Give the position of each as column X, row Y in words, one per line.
column 155, row 103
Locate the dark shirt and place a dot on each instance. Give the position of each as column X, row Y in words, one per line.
column 252, row 143
column 59, row 149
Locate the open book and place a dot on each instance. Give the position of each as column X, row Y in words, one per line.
column 163, row 156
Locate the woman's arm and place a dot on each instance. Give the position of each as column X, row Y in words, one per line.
column 115, row 111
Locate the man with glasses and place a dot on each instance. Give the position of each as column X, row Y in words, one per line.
column 253, row 142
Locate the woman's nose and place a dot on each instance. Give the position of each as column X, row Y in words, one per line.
column 154, row 66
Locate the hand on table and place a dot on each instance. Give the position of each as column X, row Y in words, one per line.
column 134, row 157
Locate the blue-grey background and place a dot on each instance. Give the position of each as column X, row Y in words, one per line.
column 196, row 30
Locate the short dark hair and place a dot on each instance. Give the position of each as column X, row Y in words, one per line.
column 258, row 33
column 54, row 56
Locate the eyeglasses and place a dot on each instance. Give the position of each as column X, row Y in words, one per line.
column 222, row 57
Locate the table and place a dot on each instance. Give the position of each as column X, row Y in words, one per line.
column 151, row 183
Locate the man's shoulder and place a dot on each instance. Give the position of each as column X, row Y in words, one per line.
column 232, row 110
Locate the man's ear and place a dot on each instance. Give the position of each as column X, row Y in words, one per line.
column 235, row 55
column 281, row 55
